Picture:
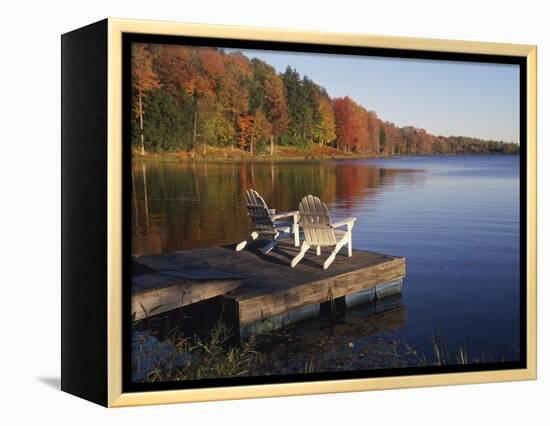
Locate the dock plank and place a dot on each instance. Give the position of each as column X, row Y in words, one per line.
column 156, row 293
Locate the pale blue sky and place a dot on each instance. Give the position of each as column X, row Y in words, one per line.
column 445, row 98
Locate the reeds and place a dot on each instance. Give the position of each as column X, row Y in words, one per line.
column 216, row 355
column 194, row 358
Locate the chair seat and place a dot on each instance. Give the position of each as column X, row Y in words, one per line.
column 283, row 224
column 280, row 226
column 339, row 234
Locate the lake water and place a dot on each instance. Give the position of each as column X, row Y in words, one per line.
column 455, row 219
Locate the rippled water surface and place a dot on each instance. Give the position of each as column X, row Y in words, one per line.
column 455, row 219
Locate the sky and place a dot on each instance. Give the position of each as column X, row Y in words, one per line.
column 443, row 97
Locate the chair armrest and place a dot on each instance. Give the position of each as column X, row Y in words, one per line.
column 285, row 214
column 346, row 221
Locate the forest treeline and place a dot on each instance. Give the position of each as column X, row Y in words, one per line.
column 185, row 98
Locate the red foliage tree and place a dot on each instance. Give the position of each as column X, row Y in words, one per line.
column 345, row 118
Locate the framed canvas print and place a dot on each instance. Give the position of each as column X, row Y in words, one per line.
column 253, row 212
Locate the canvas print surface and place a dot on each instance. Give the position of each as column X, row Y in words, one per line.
column 298, row 213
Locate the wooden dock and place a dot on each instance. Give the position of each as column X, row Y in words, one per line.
column 260, row 286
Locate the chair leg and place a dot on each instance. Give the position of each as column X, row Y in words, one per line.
column 296, row 231
column 349, row 244
column 254, row 235
column 300, row 255
column 318, row 250
column 333, row 254
column 271, row 245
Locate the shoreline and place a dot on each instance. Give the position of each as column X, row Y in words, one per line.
column 232, row 155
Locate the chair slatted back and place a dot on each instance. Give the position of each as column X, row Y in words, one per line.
column 259, row 213
column 315, row 221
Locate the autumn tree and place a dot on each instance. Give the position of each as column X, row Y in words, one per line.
column 268, row 92
column 214, row 120
column 215, row 125
column 144, row 81
column 325, row 131
column 351, row 130
column 394, row 138
column 382, row 140
column 261, row 131
column 344, row 124
column 176, row 67
column 373, row 132
column 233, row 92
column 245, row 124
column 312, row 115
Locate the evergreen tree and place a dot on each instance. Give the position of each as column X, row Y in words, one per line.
column 296, row 111
column 163, row 129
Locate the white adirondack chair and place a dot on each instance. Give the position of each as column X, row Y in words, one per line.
column 268, row 223
column 319, row 231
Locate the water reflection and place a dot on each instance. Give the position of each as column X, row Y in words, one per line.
column 179, row 206
column 347, row 342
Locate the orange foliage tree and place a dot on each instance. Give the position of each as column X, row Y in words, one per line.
column 144, row 80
